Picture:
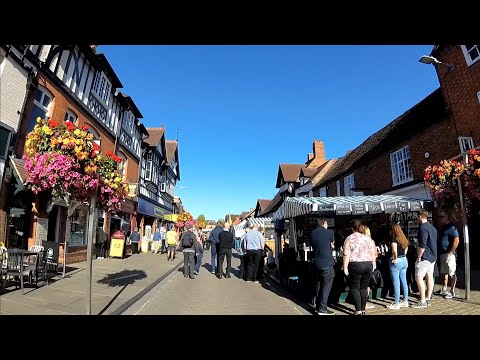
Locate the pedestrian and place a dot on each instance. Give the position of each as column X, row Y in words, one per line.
column 242, row 252
column 225, row 245
column 163, row 233
column 366, row 231
column 172, row 240
column 255, row 243
column 100, row 238
column 198, row 255
column 156, row 240
column 398, row 267
column 134, row 239
column 214, row 245
column 358, row 264
column 187, row 243
column 322, row 241
column 426, row 258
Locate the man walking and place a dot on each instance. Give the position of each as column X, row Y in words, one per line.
column 447, row 247
column 134, row 239
column 426, row 257
column 163, row 233
column 322, row 241
column 255, row 243
column 225, row 245
column 214, row 245
column 187, row 242
column 172, row 239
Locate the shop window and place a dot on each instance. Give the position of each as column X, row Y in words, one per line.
column 338, row 188
column 348, row 185
column 78, row 228
column 41, row 106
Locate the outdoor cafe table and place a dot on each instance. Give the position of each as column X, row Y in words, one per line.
column 11, row 252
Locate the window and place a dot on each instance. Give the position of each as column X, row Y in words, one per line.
column 101, row 87
column 96, row 136
column 471, row 53
column 402, row 170
column 148, row 166
column 127, row 122
column 163, row 187
column 78, row 227
column 123, row 164
column 466, row 143
column 5, row 139
column 41, row 106
column 70, row 116
column 338, row 188
column 323, row 191
column 348, row 185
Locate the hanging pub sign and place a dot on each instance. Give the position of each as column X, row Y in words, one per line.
column 132, row 189
column 415, row 205
column 359, row 209
column 390, row 207
column 343, row 209
column 402, row 206
column 375, row 208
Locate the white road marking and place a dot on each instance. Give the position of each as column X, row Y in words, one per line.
column 154, row 295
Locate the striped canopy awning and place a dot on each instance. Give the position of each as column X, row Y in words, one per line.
column 259, row 221
column 347, row 205
column 240, row 226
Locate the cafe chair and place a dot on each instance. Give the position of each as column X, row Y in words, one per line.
column 14, row 267
column 39, row 269
column 3, row 261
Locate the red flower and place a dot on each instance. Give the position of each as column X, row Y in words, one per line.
column 85, row 127
column 52, row 124
column 69, row 125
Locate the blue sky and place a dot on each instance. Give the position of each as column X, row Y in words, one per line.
column 242, row 110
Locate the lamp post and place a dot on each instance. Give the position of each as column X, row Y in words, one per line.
column 435, row 62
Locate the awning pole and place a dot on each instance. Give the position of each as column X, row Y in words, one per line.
column 466, row 241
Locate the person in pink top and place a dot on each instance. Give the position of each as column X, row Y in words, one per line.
column 358, row 265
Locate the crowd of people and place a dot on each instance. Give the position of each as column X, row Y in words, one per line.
column 360, row 255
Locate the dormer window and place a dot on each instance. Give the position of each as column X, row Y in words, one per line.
column 101, row 87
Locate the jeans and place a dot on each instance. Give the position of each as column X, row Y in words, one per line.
column 398, row 273
column 199, row 262
column 324, row 278
column 134, row 247
column 254, row 258
column 359, row 278
column 188, row 263
column 213, row 252
column 237, row 244
column 222, row 254
column 163, row 246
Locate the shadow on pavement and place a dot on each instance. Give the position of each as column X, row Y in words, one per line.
column 121, row 279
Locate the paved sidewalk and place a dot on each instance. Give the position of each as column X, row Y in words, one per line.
column 114, row 283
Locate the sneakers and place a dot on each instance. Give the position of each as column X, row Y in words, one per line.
column 442, row 292
column 419, row 305
column 449, row 295
column 324, row 312
column 195, row 273
column 369, row 306
column 393, row 306
column 257, row 282
column 404, row 304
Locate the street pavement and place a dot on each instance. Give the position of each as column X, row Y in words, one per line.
column 208, row 295
column 146, row 284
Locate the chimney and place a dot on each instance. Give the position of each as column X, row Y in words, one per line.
column 94, row 48
column 310, row 156
column 319, row 152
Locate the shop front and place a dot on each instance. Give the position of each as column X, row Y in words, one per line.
column 298, row 217
column 151, row 215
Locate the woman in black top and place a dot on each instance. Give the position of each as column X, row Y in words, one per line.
column 398, row 267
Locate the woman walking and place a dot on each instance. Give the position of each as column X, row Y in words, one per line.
column 358, row 264
column 398, row 267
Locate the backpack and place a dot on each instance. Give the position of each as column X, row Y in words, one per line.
column 187, row 240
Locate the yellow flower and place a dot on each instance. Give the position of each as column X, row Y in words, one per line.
column 76, row 132
column 65, row 141
column 106, row 181
column 27, row 143
column 83, row 134
column 118, row 179
column 89, row 137
column 78, row 141
column 47, row 130
column 39, row 119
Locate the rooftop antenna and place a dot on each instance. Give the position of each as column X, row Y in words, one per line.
column 178, row 130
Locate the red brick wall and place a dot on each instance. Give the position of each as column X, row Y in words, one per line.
column 461, row 86
column 132, row 166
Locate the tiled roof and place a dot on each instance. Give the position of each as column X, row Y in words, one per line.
column 20, row 168
column 155, row 136
column 322, row 171
column 307, row 172
column 263, row 203
column 274, row 204
column 290, row 172
column 171, row 148
column 429, row 108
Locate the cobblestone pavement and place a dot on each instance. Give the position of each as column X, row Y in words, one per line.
column 207, row 295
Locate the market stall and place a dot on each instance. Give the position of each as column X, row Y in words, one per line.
column 297, row 217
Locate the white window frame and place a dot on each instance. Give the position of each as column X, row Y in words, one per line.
column 338, row 188
column 348, row 184
column 45, row 92
column 163, row 187
column 401, row 166
column 148, row 166
column 102, row 87
column 323, row 191
column 465, row 140
column 127, row 122
column 467, row 56
column 71, row 116
column 124, row 163
column 96, row 136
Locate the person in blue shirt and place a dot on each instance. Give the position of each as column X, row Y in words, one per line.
column 448, row 240
column 156, row 240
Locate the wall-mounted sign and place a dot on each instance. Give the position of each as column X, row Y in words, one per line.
column 147, row 208
column 415, row 205
column 343, row 209
column 326, row 208
column 402, row 206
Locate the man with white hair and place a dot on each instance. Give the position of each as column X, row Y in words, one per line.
column 254, row 244
column 225, row 249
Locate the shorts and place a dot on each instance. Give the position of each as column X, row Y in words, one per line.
column 171, row 247
column 424, row 267
column 448, row 264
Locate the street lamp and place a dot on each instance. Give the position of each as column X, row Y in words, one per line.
column 434, row 61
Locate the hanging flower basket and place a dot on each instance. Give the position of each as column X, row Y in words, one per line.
column 442, row 180
column 472, row 174
column 63, row 159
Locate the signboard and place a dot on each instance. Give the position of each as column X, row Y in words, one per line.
column 390, row 207
column 42, row 230
column 343, row 209
column 128, row 206
column 402, row 206
column 326, row 208
column 359, row 209
column 147, row 208
column 132, row 189
column 116, row 247
column 415, row 205
column 375, row 208
column 51, row 248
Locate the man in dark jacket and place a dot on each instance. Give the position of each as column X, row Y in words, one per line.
column 225, row 245
column 198, row 255
column 214, row 245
